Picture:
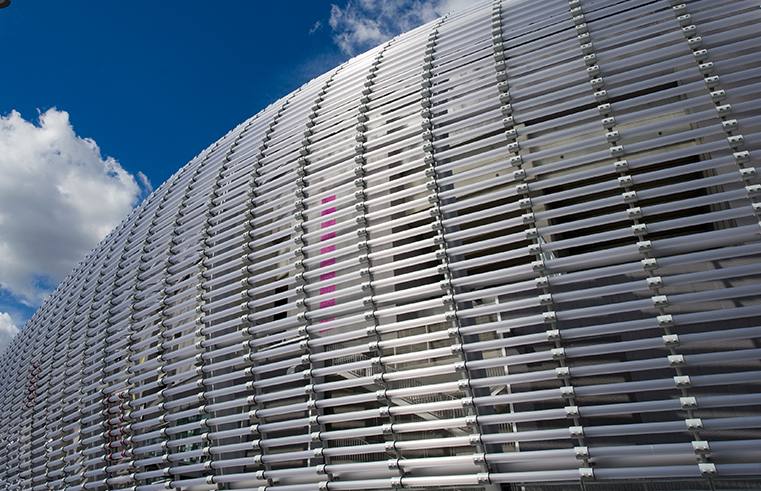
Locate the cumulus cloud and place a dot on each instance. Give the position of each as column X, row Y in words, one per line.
column 145, row 183
column 316, row 26
column 364, row 24
column 58, row 198
column 7, row 331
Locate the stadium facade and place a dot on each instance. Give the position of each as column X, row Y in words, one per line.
column 517, row 247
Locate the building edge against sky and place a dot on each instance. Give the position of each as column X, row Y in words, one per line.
column 516, row 247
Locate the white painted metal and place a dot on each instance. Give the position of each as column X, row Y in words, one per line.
column 519, row 244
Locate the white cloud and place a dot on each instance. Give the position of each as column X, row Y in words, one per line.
column 7, row 331
column 58, row 198
column 145, row 183
column 316, row 26
column 364, row 24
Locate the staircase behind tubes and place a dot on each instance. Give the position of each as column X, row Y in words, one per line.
column 515, row 248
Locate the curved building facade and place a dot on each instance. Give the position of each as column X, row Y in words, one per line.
column 517, row 247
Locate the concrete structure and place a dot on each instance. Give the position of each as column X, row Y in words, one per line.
column 517, row 245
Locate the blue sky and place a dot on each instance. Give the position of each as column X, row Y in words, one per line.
column 103, row 101
column 153, row 83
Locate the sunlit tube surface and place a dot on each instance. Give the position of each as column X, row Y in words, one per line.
column 517, row 246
